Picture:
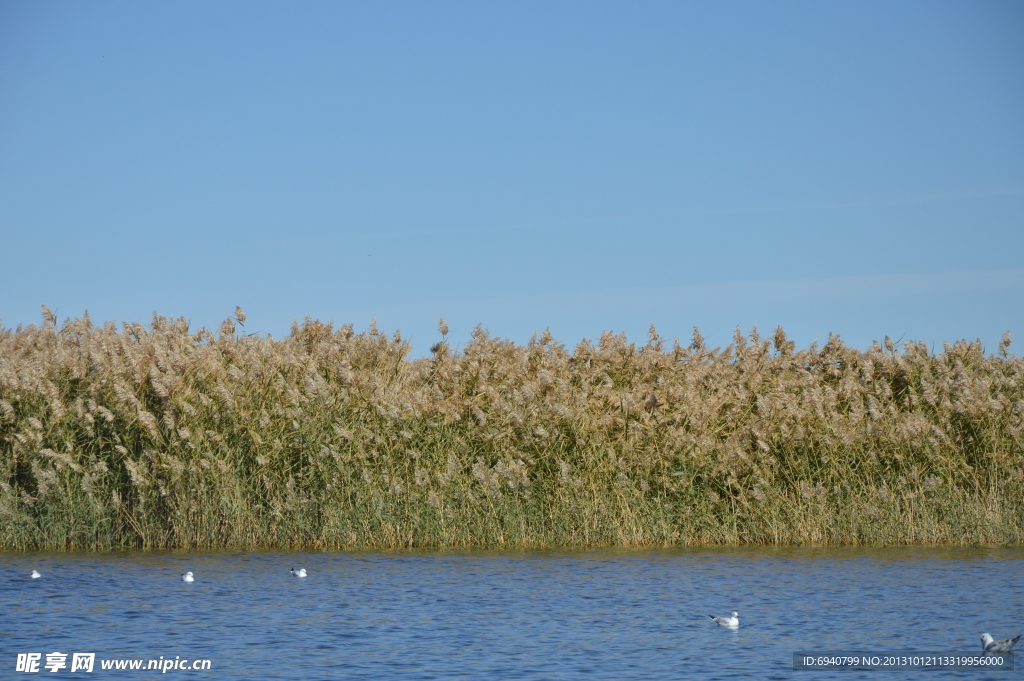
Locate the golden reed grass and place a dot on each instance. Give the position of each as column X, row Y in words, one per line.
column 162, row 437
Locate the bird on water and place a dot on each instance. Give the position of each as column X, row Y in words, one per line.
column 988, row 645
column 730, row 622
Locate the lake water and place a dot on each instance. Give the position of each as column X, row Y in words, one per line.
column 601, row 614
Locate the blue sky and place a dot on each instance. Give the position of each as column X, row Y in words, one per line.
column 855, row 168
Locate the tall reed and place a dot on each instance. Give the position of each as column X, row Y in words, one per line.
column 158, row 436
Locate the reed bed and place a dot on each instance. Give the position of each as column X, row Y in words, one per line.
column 158, row 436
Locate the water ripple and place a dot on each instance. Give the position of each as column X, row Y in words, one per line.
column 545, row 615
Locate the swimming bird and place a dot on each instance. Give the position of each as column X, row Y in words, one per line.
column 301, row 572
column 990, row 646
column 35, row 574
column 731, row 622
column 187, row 577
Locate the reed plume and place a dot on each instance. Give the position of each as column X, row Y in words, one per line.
column 162, row 437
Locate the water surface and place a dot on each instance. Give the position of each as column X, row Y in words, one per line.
column 606, row 614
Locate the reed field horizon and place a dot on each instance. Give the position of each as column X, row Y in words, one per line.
column 157, row 436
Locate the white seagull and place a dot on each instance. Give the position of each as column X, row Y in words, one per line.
column 187, row 577
column 301, row 572
column 35, row 574
column 731, row 622
column 990, row 646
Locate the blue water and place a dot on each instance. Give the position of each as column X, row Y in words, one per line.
column 608, row 614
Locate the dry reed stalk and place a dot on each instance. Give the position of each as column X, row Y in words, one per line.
column 158, row 436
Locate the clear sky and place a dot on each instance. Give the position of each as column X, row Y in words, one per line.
column 855, row 168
